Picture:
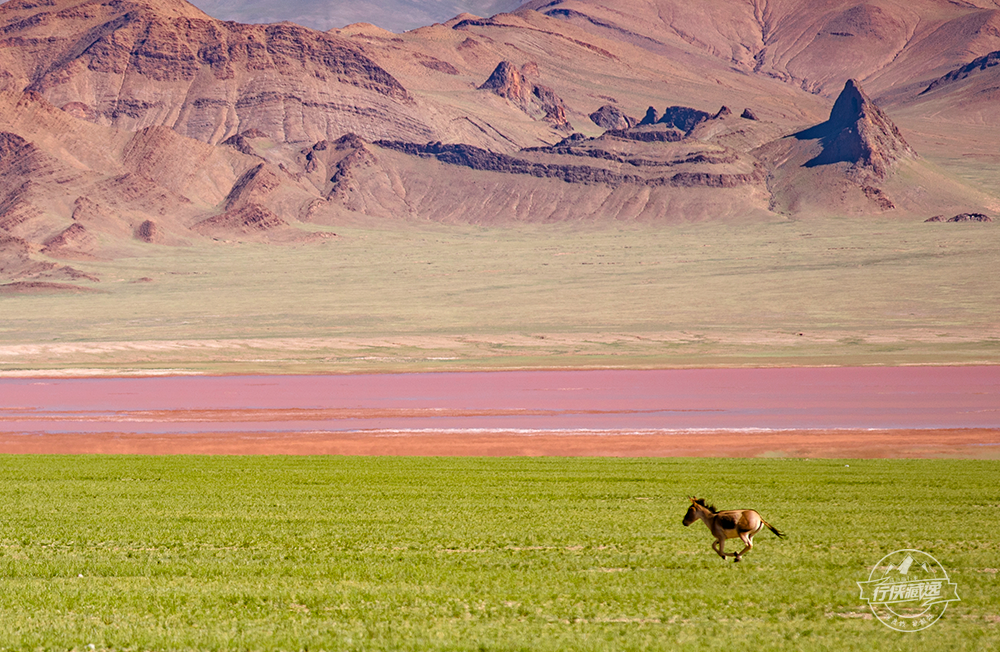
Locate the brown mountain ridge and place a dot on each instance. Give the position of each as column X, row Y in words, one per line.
column 134, row 123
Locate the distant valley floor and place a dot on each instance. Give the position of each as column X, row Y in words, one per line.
column 820, row 292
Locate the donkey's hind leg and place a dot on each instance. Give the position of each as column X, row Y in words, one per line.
column 747, row 538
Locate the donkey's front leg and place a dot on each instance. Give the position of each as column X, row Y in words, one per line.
column 719, row 546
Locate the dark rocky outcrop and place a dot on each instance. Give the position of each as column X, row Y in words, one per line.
column 481, row 159
column 347, row 141
column 343, row 172
column 147, row 232
column 722, row 113
column 651, row 118
column 240, row 144
column 552, row 105
column 669, row 135
column 974, row 66
column 962, row 217
column 566, row 148
column 971, row 217
column 683, row 117
column 749, row 115
column 610, row 116
column 878, row 197
column 572, row 139
column 508, row 82
column 858, row 132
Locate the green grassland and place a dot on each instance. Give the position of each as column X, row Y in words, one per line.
column 227, row 553
column 424, row 297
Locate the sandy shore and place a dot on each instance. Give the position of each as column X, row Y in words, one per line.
column 959, row 443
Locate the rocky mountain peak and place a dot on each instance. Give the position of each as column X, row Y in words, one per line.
column 137, row 63
column 506, row 81
column 850, row 105
column 510, row 83
column 859, row 132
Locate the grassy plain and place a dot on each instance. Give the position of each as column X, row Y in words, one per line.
column 420, row 297
column 327, row 553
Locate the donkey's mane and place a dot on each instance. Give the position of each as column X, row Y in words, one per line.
column 711, row 508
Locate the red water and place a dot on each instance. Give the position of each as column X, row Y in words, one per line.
column 663, row 400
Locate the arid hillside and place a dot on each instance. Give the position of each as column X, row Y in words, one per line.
column 135, row 123
column 814, row 44
column 140, row 64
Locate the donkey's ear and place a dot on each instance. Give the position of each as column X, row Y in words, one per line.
column 692, row 499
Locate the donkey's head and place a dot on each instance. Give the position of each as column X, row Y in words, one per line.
column 696, row 510
column 692, row 514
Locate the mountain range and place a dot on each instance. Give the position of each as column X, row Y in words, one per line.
column 131, row 123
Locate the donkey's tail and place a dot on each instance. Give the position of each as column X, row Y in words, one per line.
column 772, row 528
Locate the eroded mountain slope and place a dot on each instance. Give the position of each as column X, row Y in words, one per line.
column 135, row 64
column 130, row 124
column 815, row 44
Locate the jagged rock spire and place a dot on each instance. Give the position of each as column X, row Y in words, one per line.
column 506, row 81
column 849, row 106
column 859, row 132
column 651, row 118
column 723, row 112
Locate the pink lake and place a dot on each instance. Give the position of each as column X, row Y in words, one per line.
column 555, row 401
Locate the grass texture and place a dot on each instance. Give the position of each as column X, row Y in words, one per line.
column 326, row 553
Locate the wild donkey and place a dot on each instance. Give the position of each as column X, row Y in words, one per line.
column 732, row 523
